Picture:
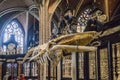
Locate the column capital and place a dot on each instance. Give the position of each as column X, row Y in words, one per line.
column 20, row 62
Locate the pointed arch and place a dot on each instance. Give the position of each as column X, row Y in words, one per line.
column 15, row 28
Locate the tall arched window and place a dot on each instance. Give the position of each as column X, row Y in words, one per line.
column 13, row 28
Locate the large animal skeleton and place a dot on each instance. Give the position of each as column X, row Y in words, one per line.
column 53, row 50
column 76, row 42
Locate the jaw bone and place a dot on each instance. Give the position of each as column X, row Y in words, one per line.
column 72, row 48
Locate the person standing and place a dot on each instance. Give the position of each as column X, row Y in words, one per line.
column 22, row 77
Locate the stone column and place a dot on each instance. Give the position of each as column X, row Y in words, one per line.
column 46, row 12
column 26, row 31
column 59, row 71
column 19, row 67
column 118, row 61
column 44, row 24
column 74, row 66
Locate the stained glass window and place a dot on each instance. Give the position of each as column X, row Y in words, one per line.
column 12, row 69
column 83, row 18
column 13, row 29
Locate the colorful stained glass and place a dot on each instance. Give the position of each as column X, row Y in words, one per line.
column 12, row 69
column 84, row 16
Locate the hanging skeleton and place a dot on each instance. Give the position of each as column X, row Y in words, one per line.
column 53, row 50
column 73, row 42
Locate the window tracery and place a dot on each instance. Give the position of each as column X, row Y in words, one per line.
column 12, row 69
column 13, row 28
column 83, row 18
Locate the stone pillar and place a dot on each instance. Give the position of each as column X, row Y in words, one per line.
column 74, row 66
column 19, row 67
column 46, row 12
column 59, row 71
column 44, row 34
column 26, row 31
column 118, row 61
column 1, row 70
column 44, row 25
